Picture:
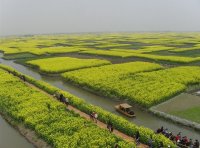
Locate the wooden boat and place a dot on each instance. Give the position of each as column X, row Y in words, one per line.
column 125, row 109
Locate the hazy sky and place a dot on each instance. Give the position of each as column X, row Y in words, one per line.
column 66, row 16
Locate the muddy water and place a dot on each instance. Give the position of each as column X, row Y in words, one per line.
column 10, row 138
column 143, row 118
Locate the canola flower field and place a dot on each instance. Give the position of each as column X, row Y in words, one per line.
column 144, row 88
column 143, row 83
column 128, row 53
column 63, row 64
column 45, row 116
column 124, row 45
column 49, row 118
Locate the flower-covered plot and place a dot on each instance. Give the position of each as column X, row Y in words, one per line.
column 146, row 88
column 62, row 64
column 131, row 53
column 49, row 118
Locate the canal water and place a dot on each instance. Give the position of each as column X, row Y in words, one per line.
column 10, row 138
column 143, row 118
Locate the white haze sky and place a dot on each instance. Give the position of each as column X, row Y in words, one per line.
column 18, row 17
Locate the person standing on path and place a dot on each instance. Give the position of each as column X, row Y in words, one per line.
column 110, row 126
column 95, row 116
column 66, row 101
column 137, row 137
column 196, row 144
column 150, row 142
column 92, row 116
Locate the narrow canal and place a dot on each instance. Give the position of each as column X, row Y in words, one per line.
column 143, row 118
column 10, row 138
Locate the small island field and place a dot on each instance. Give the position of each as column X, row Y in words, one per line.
column 144, row 88
column 63, row 64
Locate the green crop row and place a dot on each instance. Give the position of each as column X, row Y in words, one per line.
column 119, row 123
column 49, row 118
column 125, row 54
column 146, row 89
column 146, row 49
column 62, row 64
column 185, row 49
column 41, row 51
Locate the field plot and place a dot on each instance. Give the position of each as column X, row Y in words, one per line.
column 186, row 106
column 191, row 114
column 146, row 49
column 37, row 45
column 146, row 88
column 111, row 79
column 49, row 118
column 129, row 53
column 62, row 64
column 54, row 50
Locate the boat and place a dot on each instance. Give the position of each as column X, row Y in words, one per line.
column 125, row 109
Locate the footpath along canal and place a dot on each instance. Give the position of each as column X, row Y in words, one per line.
column 143, row 118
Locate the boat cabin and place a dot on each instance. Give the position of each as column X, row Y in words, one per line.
column 125, row 109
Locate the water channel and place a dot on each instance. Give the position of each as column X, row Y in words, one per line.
column 10, row 138
column 143, row 118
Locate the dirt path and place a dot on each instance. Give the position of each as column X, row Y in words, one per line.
column 99, row 123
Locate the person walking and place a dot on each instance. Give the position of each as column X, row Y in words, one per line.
column 137, row 137
column 92, row 116
column 150, row 142
column 196, row 144
column 110, row 126
column 95, row 117
column 66, row 101
column 61, row 98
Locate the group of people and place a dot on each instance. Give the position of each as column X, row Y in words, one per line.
column 62, row 98
column 94, row 116
column 178, row 139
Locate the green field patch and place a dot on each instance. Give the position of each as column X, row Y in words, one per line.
column 189, row 53
column 125, row 54
column 146, row 49
column 192, row 114
column 56, row 50
column 63, row 64
column 186, row 106
column 19, row 56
